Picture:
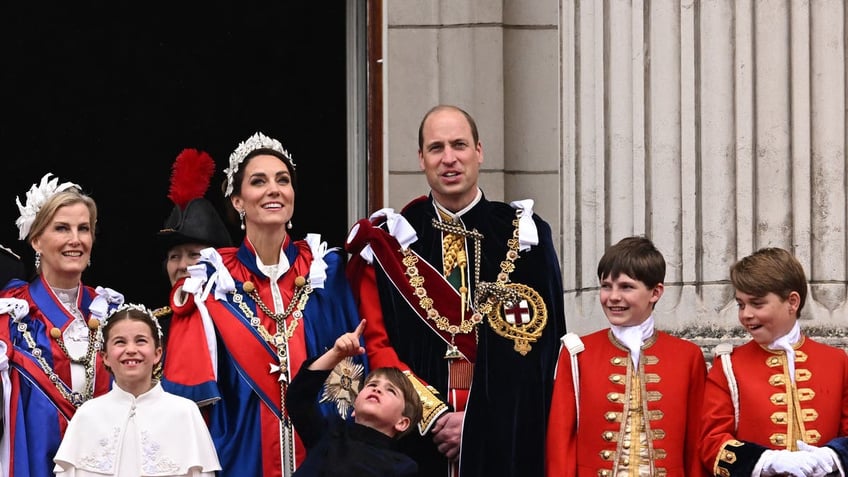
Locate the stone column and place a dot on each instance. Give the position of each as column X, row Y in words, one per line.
column 714, row 127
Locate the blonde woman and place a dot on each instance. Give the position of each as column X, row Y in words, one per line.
column 50, row 327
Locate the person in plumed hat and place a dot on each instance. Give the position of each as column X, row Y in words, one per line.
column 192, row 225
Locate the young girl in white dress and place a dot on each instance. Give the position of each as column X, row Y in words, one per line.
column 136, row 428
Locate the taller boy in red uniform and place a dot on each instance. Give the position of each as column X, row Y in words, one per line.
column 627, row 398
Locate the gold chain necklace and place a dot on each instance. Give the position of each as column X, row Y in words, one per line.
column 416, row 281
column 280, row 341
column 88, row 360
column 489, row 297
column 488, row 293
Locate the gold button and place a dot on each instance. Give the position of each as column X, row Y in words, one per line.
column 610, row 416
column 616, row 379
column 616, row 361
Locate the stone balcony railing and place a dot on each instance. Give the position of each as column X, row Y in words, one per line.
column 708, row 337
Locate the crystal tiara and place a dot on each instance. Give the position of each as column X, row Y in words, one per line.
column 257, row 141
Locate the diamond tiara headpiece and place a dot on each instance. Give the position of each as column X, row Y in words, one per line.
column 130, row 306
column 36, row 197
column 257, row 141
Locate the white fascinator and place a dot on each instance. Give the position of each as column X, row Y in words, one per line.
column 36, row 197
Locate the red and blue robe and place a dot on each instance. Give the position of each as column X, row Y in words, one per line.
column 244, row 415
column 39, row 414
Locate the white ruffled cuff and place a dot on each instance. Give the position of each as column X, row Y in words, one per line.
column 528, row 234
column 105, row 300
column 398, row 227
column 318, row 269
column 15, row 307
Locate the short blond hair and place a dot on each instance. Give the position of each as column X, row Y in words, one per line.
column 53, row 204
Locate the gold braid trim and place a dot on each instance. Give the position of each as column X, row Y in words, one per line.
column 163, row 311
column 431, row 406
column 727, row 456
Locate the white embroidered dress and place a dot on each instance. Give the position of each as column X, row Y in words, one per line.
column 156, row 434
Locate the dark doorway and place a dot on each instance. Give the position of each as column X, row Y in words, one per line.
column 108, row 96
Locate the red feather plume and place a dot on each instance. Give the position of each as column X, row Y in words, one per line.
column 190, row 176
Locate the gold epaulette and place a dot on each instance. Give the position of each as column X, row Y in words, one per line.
column 431, row 406
column 163, row 311
column 160, row 313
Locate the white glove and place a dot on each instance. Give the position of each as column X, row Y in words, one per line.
column 825, row 457
column 785, row 462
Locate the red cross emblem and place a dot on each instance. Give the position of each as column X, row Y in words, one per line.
column 518, row 313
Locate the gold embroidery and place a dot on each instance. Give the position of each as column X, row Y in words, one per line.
column 803, row 375
column 431, row 406
column 778, row 398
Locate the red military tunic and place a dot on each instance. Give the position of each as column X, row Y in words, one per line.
column 767, row 406
column 671, row 372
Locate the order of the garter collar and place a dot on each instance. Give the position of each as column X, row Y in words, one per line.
column 257, row 141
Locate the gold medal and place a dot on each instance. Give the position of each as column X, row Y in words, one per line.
column 522, row 320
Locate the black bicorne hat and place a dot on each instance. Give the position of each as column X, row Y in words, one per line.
column 193, row 218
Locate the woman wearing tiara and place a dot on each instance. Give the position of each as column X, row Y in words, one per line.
column 256, row 313
column 50, row 324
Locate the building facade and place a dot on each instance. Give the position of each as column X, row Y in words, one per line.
column 714, row 127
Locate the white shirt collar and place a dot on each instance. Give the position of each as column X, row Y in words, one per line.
column 458, row 214
column 634, row 337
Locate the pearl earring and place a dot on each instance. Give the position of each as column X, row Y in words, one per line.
column 289, row 225
column 241, row 218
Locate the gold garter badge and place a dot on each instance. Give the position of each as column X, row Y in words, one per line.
column 516, row 312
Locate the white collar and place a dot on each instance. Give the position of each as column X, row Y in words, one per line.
column 786, row 343
column 458, row 214
column 634, row 337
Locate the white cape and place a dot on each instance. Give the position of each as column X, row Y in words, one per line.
column 156, row 434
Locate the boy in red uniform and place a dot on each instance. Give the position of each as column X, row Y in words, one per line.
column 634, row 408
column 771, row 401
